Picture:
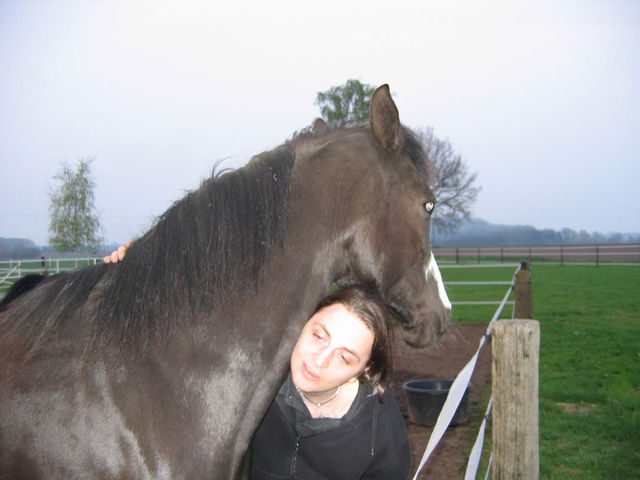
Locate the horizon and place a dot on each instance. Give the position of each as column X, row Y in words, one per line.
column 628, row 237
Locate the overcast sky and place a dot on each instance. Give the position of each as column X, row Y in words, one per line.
column 540, row 98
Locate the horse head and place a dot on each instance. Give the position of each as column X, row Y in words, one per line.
column 377, row 178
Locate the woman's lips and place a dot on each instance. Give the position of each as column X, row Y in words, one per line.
column 308, row 373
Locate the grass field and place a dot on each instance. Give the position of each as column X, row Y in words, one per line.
column 589, row 364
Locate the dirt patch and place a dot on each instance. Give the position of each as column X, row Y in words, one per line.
column 576, row 408
column 449, row 460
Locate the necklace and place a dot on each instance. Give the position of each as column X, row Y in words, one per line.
column 319, row 404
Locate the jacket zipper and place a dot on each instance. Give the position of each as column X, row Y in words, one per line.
column 294, row 458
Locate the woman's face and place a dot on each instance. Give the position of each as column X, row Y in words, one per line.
column 333, row 348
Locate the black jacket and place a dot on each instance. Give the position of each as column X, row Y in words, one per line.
column 369, row 442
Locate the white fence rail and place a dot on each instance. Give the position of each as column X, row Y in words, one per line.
column 480, row 283
column 12, row 270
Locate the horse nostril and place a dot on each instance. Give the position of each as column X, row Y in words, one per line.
column 443, row 322
column 442, row 327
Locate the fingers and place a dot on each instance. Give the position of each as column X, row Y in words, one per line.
column 118, row 255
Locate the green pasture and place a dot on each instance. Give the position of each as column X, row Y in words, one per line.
column 589, row 364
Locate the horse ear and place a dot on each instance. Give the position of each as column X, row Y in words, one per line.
column 319, row 125
column 384, row 118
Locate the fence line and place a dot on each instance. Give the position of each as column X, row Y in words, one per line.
column 459, row 386
column 468, row 283
column 593, row 253
column 474, row 265
column 15, row 269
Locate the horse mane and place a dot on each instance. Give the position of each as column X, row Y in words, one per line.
column 200, row 253
column 418, row 157
column 20, row 287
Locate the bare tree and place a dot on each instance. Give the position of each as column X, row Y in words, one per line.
column 453, row 185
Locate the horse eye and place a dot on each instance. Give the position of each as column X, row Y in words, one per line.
column 429, row 206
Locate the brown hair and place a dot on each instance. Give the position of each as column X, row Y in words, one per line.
column 367, row 306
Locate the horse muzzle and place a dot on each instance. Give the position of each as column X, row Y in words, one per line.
column 425, row 312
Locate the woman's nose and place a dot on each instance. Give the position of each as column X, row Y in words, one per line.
column 322, row 357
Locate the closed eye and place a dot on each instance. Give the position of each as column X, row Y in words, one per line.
column 346, row 358
column 318, row 333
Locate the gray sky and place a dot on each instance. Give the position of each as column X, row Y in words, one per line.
column 541, row 98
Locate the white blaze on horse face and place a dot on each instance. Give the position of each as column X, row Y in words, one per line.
column 432, row 272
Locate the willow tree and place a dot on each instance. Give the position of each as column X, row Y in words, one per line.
column 74, row 224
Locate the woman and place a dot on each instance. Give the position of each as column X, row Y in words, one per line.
column 335, row 417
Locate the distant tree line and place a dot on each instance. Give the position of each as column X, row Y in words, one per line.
column 479, row 233
column 471, row 233
column 18, row 248
column 23, row 248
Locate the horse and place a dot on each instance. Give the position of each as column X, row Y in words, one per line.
column 162, row 366
column 22, row 285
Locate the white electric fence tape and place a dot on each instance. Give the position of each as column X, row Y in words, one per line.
column 486, row 477
column 476, row 451
column 458, row 388
column 450, row 406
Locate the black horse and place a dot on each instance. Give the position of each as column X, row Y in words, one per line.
column 162, row 366
column 20, row 287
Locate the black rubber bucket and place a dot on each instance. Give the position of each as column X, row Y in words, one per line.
column 426, row 398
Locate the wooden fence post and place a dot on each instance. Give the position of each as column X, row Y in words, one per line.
column 523, row 292
column 515, row 349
